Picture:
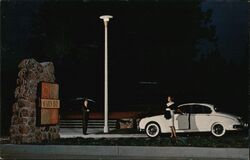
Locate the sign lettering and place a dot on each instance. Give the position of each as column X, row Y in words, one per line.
column 50, row 103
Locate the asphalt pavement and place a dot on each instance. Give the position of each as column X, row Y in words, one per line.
column 91, row 152
column 11, row 151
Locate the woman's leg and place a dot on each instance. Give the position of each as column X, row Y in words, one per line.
column 174, row 132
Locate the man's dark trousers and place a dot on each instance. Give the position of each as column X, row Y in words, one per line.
column 85, row 118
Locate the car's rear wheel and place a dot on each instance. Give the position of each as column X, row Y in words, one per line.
column 218, row 130
column 153, row 130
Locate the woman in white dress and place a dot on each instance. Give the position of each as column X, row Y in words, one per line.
column 170, row 108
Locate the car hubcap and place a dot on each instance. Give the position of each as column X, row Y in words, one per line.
column 152, row 130
column 218, row 129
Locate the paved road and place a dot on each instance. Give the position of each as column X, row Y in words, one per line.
column 44, row 156
column 10, row 151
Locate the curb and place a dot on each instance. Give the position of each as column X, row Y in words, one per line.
column 96, row 136
column 127, row 151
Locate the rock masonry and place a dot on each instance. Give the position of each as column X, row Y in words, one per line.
column 24, row 128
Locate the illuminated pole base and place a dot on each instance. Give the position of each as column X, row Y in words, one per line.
column 106, row 129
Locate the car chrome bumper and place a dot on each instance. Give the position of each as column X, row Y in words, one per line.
column 241, row 126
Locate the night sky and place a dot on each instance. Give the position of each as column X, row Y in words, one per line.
column 147, row 44
column 230, row 19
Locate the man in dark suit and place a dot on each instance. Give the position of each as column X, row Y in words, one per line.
column 85, row 116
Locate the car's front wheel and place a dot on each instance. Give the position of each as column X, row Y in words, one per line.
column 152, row 130
column 218, row 130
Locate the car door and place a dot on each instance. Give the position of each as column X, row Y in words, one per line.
column 195, row 117
column 182, row 121
column 200, row 118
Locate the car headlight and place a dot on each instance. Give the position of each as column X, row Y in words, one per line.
column 239, row 119
column 245, row 125
column 242, row 122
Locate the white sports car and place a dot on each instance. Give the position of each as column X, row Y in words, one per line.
column 196, row 117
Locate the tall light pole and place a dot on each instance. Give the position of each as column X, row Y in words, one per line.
column 105, row 19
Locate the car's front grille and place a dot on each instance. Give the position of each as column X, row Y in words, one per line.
column 237, row 126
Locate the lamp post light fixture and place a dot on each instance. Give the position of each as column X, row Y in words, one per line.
column 105, row 19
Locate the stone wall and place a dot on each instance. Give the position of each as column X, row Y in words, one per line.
column 23, row 127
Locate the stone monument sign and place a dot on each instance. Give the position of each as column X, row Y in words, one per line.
column 26, row 123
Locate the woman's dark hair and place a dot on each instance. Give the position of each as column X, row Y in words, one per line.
column 172, row 97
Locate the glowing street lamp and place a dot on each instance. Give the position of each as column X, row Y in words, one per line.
column 105, row 19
